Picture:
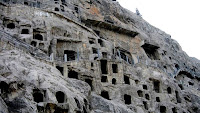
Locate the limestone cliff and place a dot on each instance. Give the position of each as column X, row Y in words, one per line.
column 90, row 56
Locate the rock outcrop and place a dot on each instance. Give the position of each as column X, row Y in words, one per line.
column 90, row 56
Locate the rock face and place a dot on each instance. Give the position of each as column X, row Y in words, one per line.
column 90, row 56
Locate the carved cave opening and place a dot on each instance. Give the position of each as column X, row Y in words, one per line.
column 163, row 109
column 157, row 99
column 104, row 54
column 151, row 51
column 127, row 99
column 145, row 87
column 56, row 9
column 94, row 51
column 71, row 55
column 145, row 105
column 91, row 40
column 89, row 81
column 38, row 96
column 169, row 90
column 101, row 42
column 25, row 31
column 104, row 79
column 156, row 85
column 34, row 44
column 4, row 88
column 60, row 96
column 147, row 96
column 140, row 93
column 114, row 68
column 11, row 26
column 105, row 94
column 114, row 81
column 104, row 69
column 126, row 79
column 60, row 69
column 73, row 74
column 38, row 37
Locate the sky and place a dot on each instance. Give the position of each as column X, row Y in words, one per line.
column 179, row 18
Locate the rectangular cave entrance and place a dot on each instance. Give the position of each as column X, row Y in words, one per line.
column 156, row 85
column 127, row 99
column 126, row 79
column 104, row 69
column 60, row 96
column 151, row 51
column 114, row 68
column 38, row 95
column 71, row 55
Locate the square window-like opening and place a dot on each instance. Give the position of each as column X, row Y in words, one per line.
column 157, row 99
column 73, row 74
column 151, row 51
column 104, row 79
column 145, row 87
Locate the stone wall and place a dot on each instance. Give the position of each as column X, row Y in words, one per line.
column 90, row 56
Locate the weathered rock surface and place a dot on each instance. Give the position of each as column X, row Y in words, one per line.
column 90, row 56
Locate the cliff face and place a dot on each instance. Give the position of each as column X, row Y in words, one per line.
column 90, row 56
